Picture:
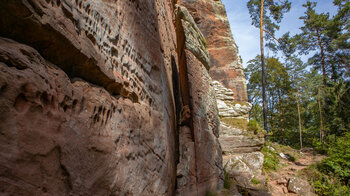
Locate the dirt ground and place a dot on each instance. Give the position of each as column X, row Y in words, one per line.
column 278, row 180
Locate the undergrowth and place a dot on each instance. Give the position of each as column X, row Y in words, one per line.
column 227, row 181
column 255, row 181
column 332, row 175
column 271, row 161
column 253, row 126
column 293, row 154
column 325, row 184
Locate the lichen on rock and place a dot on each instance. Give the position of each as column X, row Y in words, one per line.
column 195, row 41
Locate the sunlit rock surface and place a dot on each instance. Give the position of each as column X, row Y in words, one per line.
column 240, row 145
column 100, row 98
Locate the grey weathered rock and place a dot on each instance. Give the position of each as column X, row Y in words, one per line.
column 201, row 170
column 195, row 41
column 300, row 187
column 248, row 163
column 238, row 143
column 226, row 104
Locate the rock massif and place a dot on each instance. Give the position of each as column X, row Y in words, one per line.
column 200, row 162
column 105, row 97
column 241, row 141
column 211, row 18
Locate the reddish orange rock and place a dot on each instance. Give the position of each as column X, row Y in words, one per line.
column 211, row 18
column 96, row 100
column 86, row 98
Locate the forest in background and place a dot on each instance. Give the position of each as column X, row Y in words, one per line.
column 305, row 104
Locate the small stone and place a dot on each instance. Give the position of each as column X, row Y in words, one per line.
column 282, row 181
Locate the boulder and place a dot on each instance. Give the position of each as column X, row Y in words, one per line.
column 300, row 187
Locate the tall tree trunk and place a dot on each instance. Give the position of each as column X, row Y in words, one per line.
column 323, row 73
column 280, row 109
column 299, row 115
column 322, row 57
column 263, row 63
column 281, row 114
column 321, row 121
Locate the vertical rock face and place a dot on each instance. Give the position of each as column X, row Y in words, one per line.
column 86, row 99
column 103, row 97
column 200, row 161
column 241, row 142
column 211, row 18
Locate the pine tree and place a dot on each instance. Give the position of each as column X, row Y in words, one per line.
column 269, row 24
column 314, row 36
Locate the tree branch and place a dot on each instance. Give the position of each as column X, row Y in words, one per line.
column 278, row 40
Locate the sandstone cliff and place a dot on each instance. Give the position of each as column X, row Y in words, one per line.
column 241, row 143
column 211, row 18
column 105, row 97
column 96, row 100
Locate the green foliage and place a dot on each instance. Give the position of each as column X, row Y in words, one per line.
column 271, row 161
column 253, row 126
column 227, row 181
column 273, row 14
column 338, row 113
column 325, row 184
column 292, row 153
column 319, row 146
column 243, row 191
column 255, row 181
column 332, row 175
column 320, row 87
column 338, row 161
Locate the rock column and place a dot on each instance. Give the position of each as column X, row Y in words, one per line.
column 200, row 163
column 241, row 141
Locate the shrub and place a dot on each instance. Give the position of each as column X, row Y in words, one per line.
column 253, row 126
column 338, row 162
column 325, row 184
column 271, row 161
column 210, row 193
column 332, row 175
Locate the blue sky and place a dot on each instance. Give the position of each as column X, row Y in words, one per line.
column 247, row 37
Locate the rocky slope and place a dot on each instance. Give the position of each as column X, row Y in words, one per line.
column 293, row 171
column 105, row 97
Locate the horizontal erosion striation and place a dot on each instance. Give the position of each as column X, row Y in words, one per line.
column 18, row 22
